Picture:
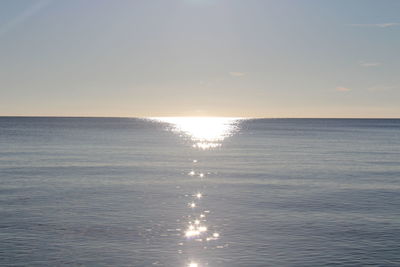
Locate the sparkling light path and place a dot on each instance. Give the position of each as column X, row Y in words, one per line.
column 205, row 134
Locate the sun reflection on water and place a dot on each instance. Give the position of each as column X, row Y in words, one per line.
column 205, row 134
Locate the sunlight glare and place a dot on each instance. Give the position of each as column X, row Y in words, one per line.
column 205, row 132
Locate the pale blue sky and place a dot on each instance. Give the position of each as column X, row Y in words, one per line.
column 266, row 58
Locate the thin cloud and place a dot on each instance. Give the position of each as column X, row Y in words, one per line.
column 370, row 64
column 22, row 17
column 342, row 89
column 382, row 88
column 378, row 25
column 237, row 74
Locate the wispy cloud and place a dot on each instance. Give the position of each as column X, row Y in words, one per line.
column 370, row 64
column 237, row 74
column 23, row 16
column 378, row 25
column 382, row 88
column 342, row 89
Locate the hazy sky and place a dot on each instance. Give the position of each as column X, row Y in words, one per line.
column 266, row 58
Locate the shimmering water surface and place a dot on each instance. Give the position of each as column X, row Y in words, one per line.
column 199, row 192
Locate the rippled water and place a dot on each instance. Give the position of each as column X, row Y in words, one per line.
column 184, row 192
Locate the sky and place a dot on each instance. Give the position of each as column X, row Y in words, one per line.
column 239, row 58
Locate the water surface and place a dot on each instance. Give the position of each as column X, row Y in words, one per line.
column 274, row 192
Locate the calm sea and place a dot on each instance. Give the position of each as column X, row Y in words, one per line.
column 209, row 192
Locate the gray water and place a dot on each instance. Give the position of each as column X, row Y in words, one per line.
column 279, row 192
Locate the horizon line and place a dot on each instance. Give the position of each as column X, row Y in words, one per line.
column 151, row 117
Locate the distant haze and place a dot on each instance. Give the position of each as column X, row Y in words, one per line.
column 261, row 58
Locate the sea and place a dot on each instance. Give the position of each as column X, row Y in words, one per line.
column 194, row 192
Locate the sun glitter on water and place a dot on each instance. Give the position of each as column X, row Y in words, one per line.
column 205, row 132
